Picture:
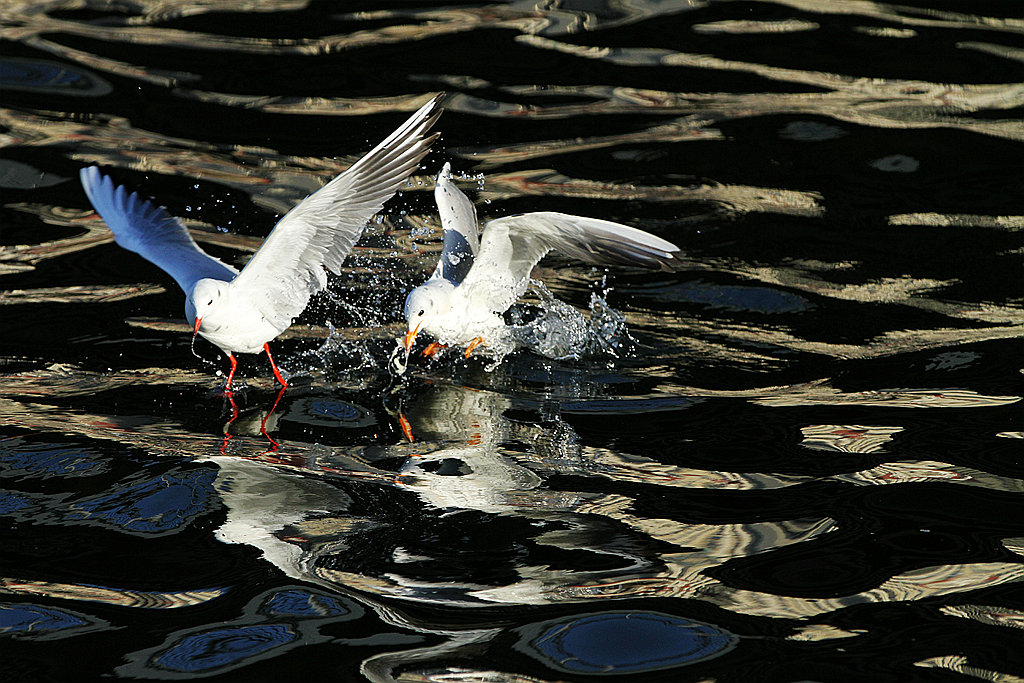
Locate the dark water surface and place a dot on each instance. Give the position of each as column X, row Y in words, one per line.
column 804, row 465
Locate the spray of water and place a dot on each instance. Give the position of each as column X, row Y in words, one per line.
column 561, row 332
column 192, row 348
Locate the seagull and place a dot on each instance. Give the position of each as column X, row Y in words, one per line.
column 478, row 278
column 241, row 311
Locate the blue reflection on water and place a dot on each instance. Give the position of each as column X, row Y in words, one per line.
column 45, row 76
column 26, row 621
column 337, row 409
column 48, row 459
column 329, row 412
column 12, row 502
column 274, row 622
column 731, row 297
column 622, row 642
column 24, row 618
column 223, row 647
column 154, row 505
column 300, row 603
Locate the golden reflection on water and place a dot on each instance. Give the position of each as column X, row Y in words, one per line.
column 120, row 597
column 269, row 500
column 848, row 438
column 960, row 664
column 292, row 503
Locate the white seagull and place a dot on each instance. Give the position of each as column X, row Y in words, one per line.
column 478, row 279
column 240, row 312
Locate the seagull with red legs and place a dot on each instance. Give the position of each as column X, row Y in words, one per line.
column 242, row 311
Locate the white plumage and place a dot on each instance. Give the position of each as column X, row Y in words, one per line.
column 241, row 311
column 472, row 286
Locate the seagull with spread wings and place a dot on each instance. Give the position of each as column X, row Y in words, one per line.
column 241, row 311
column 478, row 278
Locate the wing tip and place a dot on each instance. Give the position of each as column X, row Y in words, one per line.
column 92, row 180
column 436, row 104
column 444, row 179
column 674, row 262
column 426, row 116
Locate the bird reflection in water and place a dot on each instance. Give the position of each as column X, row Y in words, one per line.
column 459, row 462
column 246, row 423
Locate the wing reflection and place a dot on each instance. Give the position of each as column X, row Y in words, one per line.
column 470, row 456
column 399, row 523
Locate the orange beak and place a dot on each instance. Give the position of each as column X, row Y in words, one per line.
column 195, row 330
column 410, row 337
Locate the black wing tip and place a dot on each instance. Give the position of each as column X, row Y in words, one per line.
column 674, row 262
column 436, row 108
column 436, row 103
column 430, row 139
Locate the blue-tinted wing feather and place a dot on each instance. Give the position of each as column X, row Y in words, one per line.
column 141, row 226
column 461, row 236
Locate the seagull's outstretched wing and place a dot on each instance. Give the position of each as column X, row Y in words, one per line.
column 145, row 228
column 458, row 219
column 511, row 246
column 320, row 231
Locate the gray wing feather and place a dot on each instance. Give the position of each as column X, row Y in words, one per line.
column 141, row 226
column 321, row 230
column 458, row 219
column 511, row 246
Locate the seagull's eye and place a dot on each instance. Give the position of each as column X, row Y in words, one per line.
column 210, row 302
column 421, row 313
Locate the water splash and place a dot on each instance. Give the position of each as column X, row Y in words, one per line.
column 339, row 355
column 561, row 332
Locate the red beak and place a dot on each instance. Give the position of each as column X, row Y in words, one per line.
column 195, row 330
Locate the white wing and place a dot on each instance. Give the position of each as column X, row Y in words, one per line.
column 145, row 228
column 321, row 230
column 511, row 246
column 458, row 219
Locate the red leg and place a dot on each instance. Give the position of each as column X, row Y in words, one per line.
column 277, row 373
column 234, row 366
column 477, row 341
column 263, row 424
column 406, row 427
column 227, row 427
column 432, row 349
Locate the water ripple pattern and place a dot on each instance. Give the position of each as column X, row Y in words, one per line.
column 796, row 459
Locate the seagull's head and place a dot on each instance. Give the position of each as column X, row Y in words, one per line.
column 424, row 306
column 207, row 296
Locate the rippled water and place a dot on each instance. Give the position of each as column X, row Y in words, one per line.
column 800, row 461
